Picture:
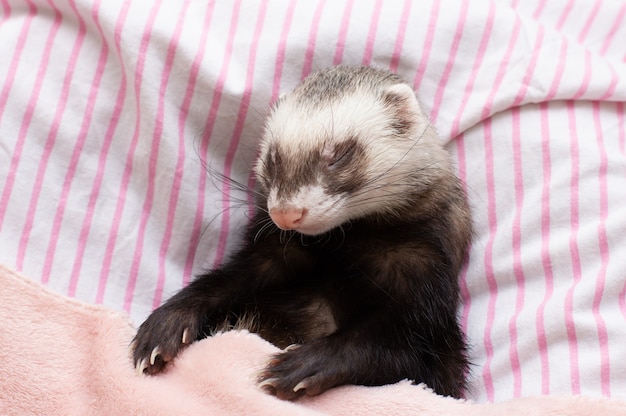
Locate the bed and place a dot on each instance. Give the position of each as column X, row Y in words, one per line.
column 113, row 112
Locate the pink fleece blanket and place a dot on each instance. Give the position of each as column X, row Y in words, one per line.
column 62, row 357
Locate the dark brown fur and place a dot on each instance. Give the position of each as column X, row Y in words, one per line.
column 371, row 302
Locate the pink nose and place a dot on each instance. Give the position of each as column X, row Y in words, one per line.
column 287, row 219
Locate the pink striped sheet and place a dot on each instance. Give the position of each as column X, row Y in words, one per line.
column 112, row 126
column 111, row 129
column 456, row 40
column 491, row 206
column 76, row 154
column 343, row 32
column 6, row 12
column 461, row 161
column 6, row 89
column 280, row 53
column 530, row 70
column 241, row 116
column 574, row 249
column 489, row 106
column 311, row 44
column 129, row 166
column 371, row 34
column 178, row 172
column 400, row 37
column 605, row 365
column 426, row 50
column 589, row 22
column 221, row 246
column 280, row 60
column 492, row 283
column 564, row 14
column 518, row 268
column 52, row 135
column 484, row 40
column 617, row 24
column 540, row 6
column 108, row 111
column 546, row 260
column 182, row 124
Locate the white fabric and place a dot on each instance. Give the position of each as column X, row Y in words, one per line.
column 109, row 111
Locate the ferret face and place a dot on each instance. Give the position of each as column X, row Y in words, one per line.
column 340, row 148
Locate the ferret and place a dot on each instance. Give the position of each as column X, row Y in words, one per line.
column 351, row 261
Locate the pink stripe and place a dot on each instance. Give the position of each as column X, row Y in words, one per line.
column 488, row 259
column 6, row 12
column 106, row 146
column 402, row 26
column 590, row 18
column 343, row 32
column 621, row 123
column 17, row 56
column 278, row 68
column 521, row 94
column 371, row 35
column 558, row 73
column 48, row 145
column 539, row 9
column 80, row 141
column 310, row 47
column 466, row 297
column 564, row 15
column 570, row 324
column 239, row 124
column 280, row 54
column 458, row 34
column 469, row 87
column 121, row 199
column 157, row 136
column 488, row 106
column 622, row 300
column 194, row 240
column 621, row 126
column 612, row 85
column 6, row 88
column 152, row 172
column 212, row 116
column 581, row 39
column 546, row 261
column 518, row 269
column 586, row 77
column 605, row 363
column 617, row 25
column 428, row 46
column 93, row 196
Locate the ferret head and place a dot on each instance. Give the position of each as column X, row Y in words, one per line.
column 347, row 143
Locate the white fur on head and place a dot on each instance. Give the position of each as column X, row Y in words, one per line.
column 395, row 141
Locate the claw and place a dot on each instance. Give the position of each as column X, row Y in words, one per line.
column 270, row 382
column 274, row 362
column 141, row 365
column 300, row 386
column 292, row 347
column 155, row 353
column 185, row 339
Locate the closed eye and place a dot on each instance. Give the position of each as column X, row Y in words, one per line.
column 344, row 153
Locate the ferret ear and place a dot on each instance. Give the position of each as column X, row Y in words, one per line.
column 400, row 92
column 401, row 101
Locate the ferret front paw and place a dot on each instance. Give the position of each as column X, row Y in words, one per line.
column 161, row 337
column 298, row 371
